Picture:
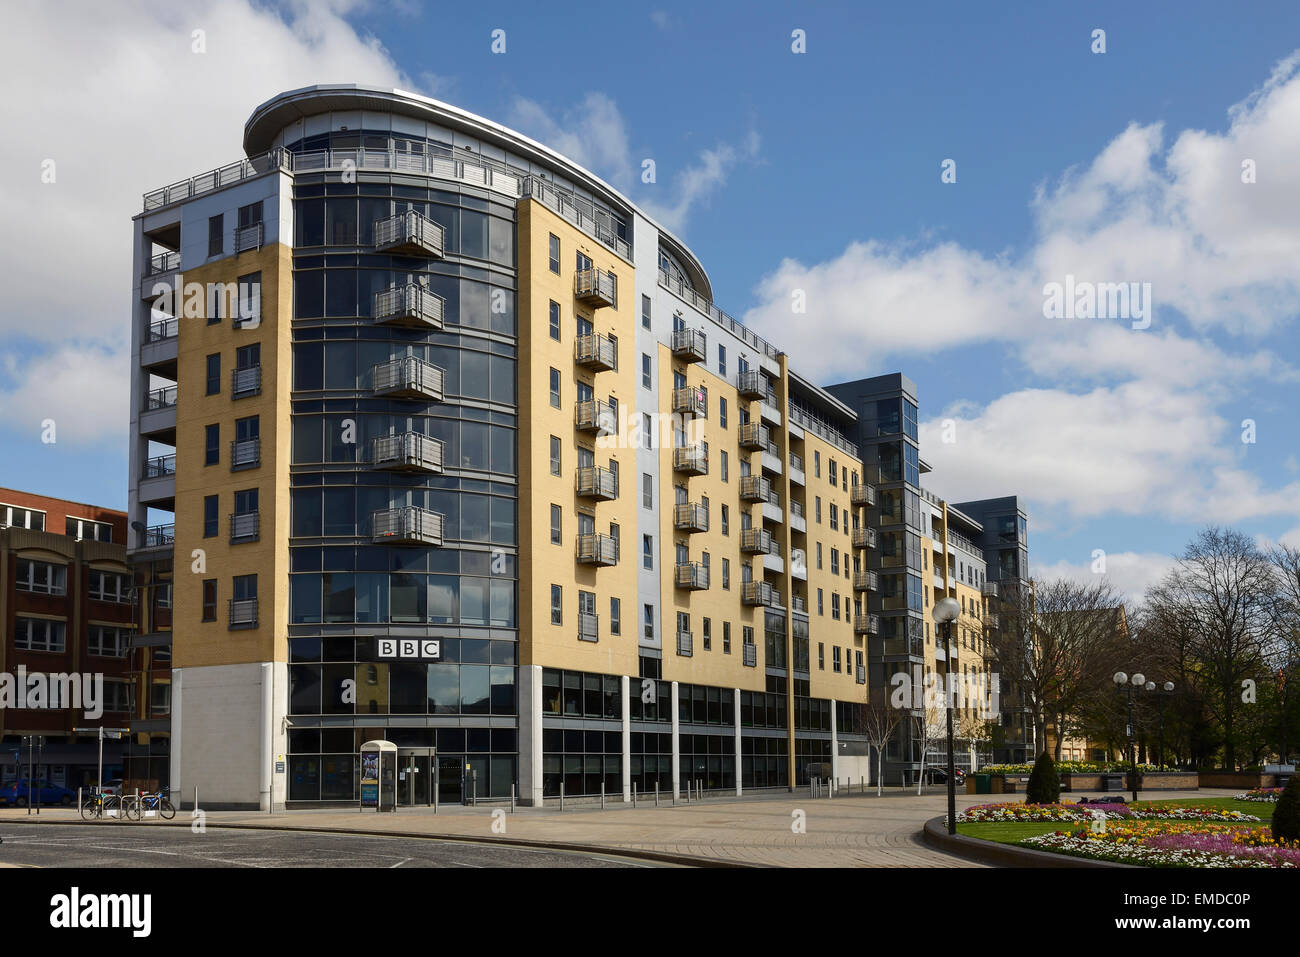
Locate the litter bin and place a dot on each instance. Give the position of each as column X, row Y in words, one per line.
column 983, row 784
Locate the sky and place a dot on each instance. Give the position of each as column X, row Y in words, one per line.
column 916, row 175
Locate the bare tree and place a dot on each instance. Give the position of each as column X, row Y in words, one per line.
column 931, row 727
column 879, row 723
column 1284, row 650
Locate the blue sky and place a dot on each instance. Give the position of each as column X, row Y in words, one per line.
column 817, row 171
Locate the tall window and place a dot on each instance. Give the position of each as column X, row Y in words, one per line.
column 722, row 360
column 210, row 599
column 555, row 253
column 556, row 513
column 724, row 466
column 647, row 552
column 647, row 374
column 645, row 311
column 214, row 374
column 211, row 444
column 555, row 388
column 647, row 490
column 615, row 616
column 726, row 520
column 648, row 619
column 722, row 412
column 215, row 245
column 557, row 606
column 555, row 455
column 555, row 321
column 726, row 637
column 726, row 573
column 210, row 507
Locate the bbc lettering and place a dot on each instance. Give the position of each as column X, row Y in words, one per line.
column 424, row 649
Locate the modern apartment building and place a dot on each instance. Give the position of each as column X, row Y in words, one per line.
column 68, row 608
column 449, row 446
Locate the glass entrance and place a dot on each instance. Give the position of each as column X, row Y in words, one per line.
column 415, row 769
column 451, row 777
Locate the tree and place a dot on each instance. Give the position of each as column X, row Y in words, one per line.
column 975, row 730
column 1284, row 651
column 931, row 728
column 879, row 724
column 1286, row 816
column 1044, row 783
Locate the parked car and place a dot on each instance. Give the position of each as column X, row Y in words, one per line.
column 44, row 792
column 940, row 776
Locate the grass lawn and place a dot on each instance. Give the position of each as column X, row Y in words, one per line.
column 1260, row 809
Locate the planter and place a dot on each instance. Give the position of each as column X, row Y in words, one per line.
column 1238, row 780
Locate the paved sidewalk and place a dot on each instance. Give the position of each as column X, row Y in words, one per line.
column 847, row 831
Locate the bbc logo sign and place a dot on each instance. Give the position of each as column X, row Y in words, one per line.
column 419, row 649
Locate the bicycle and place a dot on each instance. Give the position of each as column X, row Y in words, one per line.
column 99, row 805
column 156, row 801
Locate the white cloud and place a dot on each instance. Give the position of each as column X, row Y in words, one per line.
column 83, row 388
column 1129, row 573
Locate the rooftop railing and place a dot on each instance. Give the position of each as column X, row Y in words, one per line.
column 707, row 308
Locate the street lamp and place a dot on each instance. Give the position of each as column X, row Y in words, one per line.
column 1139, row 682
column 946, row 611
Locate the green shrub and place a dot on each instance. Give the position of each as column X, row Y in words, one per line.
column 1044, row 783
column 1286, row 816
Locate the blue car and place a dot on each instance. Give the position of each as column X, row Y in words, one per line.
column 44, row 792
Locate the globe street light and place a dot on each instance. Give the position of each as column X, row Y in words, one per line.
column 946, row 611
column 1139, row 682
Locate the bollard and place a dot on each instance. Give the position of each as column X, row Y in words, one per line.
column 512, row 799
column 830, row 791
column 602, row 795
column 561, row 795
column 656, row 793
column 196, row 797
column 634, row 796
column 473, row 794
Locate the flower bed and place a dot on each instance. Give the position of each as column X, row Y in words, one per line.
column 1048, row 813
column 1262, row 795
column 1172, row 844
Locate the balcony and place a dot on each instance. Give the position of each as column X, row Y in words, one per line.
column 409, row 305
column 406, row 452
column 407, row 525
column 992, row 622
column 243, row 527
column 595, row 288
column 245, row 454
column 864, row 538
column 588, row 627
column 866, row 581
column 595, row 416
column 243, row 613
column 690, row 517
column 596, row 549
column 246, row 382
column 685, row 644
column 157, row 399
column 866, row 625
column 755, row 435
column 692, row 576
column 755, row 488
column 158, row 350
column 157, row 536
column 755, row 541
column 692, row 400
column 690, row 345
column 691, row 460
column 160, row 466
column 749, row 653
column 252, row 236
column 160, row 268
column 989, row 589
column 862, row 494
column 596, row 352
column 597, row 483
column 408, row 234
column 408, row 378
column 751, row 385
column 759, row 593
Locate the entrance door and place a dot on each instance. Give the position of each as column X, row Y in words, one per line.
column 414, row 778
column 451, row 775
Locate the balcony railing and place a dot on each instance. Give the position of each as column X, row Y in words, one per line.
column 861, row 674
column 755, row 541
column 862, row 494
column 164, row 398
column 597, row 549
column 408, row 377
column 749, row 653
column 246, row 382
column 406, row 452
column 160, row 265
column 992, row 622
column 751, row 384
column 866, row 581
column 989, row 589
column 691, row 517
column 597, row 483
column 162, row 329
column 754, row 488
column 596, row 352
column 594, row 415
column 408, row 305
column 690, row 345
column 796, row 461
column 864, row 537
column 407, row 525
column 796, row 509
column 685, row 644
column 866, row 624
column 245, row 454
column 160, row 466
column 691, row 460
column 692, row 576
column 596, row 288
column 754, row 435
column 252, row 236
column 244, row 527
column 408, row 233
column 243, row 613
column 691, row 401
column 588, row 627
column 759, row 593
column 159, row 536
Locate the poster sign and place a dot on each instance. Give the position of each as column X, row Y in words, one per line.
column 370, row 779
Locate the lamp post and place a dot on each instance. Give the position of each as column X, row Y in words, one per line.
column 1165, row 689
column 1138, row 683
column 946, row 611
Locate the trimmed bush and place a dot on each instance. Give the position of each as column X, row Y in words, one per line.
column 1286, row 816
column 1044, row 783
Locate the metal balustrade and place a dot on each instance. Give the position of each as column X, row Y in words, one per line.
column 160, row 466
column 245, row 454
column 866, row 581
column 749, row 652
column 750, row 384
column 164, row 398
column 864, row 537
column 759, row 593
column 597, row 549
column 866, row 624
column 692, row 400
column 243, row 613
column 408, row 233
column 862, row 494
column 594, row 415
column 755, row 488
column 244, row 527
column 252, row 236
column 691, row 460
column 406, row 525
column 685, row 644
column 595, row 288
column 408, row 305
column 597, row 483
column 596, row 352
column 408, row 377
column 407, row 452
column 690, row 345
column 246, row 382
column 692, row 576
column 690, row 517
column 754, row 435
column 755, row 541
column 588, row 627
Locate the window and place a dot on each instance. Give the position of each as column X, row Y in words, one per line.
column 819, row 509
column 210, row 599
column 835, row 561
column 40, row 634
column 647, row 431
column 817, row 465
column 819, row 555
column 555, row 253
column 821, row 656
column 557, row 605
column 831, row 470
column 722, row 360
column 556, row 518
column 555, row 321
column 248, row 307
column 555, row 455
column 214, row 374
column 835, row 607
column 722, row 413
column 835, row 518
column 835, row 659
column 42, row 578
column 210, row 506
column 820, row 607
column 726, row 520
column 11, row 516
column 615, row 616
column 107, row 642
column 647, row 552
column 109, row 586
column 84, row 528
column 215, row 232
column 645, row 312
column 555, row 388
column 726, row 574
column 648, row 619
column 708, row 634
column 647, row 490
column 250, row 215
column 647, row 373
column 119, row 696
column 164, row 593
column 724, row 466
column 726, row 637
column 211, row 444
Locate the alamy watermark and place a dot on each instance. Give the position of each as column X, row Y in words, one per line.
column 1074, row 299
column 40, row 691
